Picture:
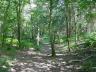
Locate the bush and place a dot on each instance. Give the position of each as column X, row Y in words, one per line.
column 90, row 40
column 89, row 64
column 26, row 44
column 4, row 65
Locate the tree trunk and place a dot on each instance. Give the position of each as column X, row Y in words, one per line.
column 67, row 24
column 19, row 22
column 51, row 31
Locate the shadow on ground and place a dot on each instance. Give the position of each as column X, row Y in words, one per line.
column 32, row 61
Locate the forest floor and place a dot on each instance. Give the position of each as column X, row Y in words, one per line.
column 35, row 61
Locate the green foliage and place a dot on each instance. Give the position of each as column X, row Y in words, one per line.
column 35, row 46
column 89, row 64
column 90, row 40
column 90, row 16
column 26, row 43
column 45, row 39
column 4, row 64
column 84, row 4
column 11, row 51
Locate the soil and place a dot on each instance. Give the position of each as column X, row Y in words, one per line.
column 41, row 61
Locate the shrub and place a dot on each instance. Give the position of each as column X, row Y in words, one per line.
column 4, row 65
column 90, row 40
column 89, row 64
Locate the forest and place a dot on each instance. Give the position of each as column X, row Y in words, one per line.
column 47, row 35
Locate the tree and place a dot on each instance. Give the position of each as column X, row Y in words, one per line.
column 51, row 30
column 5, row 23
column 19, row 21
column 67, row 21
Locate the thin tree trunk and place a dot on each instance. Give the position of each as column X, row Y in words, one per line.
column 51, row 32
column 67, row 25
column 75, row 25
column 19, row 22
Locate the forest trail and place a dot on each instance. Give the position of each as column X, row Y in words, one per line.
column 33, row 61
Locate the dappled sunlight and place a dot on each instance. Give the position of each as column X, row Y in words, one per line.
column 33, row 61
column 30, row 60
column 28, row 70
column 47, row 36
column 70, row 66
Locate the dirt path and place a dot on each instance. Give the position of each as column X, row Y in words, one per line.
column 32, row 61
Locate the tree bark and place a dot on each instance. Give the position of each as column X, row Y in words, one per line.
column 67, row 24
column 51, row 31
column 19, row 22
